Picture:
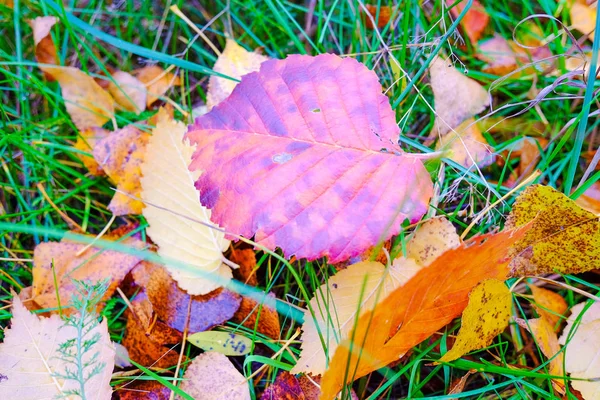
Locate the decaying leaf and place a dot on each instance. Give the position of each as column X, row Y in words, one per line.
column 211, row 376
column 475, row 20
column 157, row 82
column 563, row 236
column 549, row 305
column 310, row 165
column 128, row 92
column 235, row 62
column 94, row 265
column 285, row 387
column 583, row 18
column 268, row 319
column 246, row 259
column 499, row 56
column 456, row 97
column 86, row 102
column 431, row 239
column 86, row 141
column 178, row 223
column 380, row 14
column 121, row 155
column 402, row 323
column 466, row 145
column 528, row 151
column 590, row 199
column 582, row 355
column 226, row 343
column 505, row 56
column 33, row 367
column 45, row 50
column 141, row 390
column 484, row 318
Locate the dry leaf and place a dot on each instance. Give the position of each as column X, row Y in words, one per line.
column 93, row 265
column 563, row 236
column 246, row 259
column 383, row 14
column 457, row 98
column 177, row 221
column 431, row 239
column 86, row 102
column 484, row 318
column 402, row 323
column 458, row 385
column 582, row 355
column 285, row 387
column 590, row 199
column 211, row 376
column 86, row 141
column 120, row 155
column 45, row 50
column 128, row 92
column 157, row 82
column 528, row 151
column 466, row 146
column 505, row 56
column 475, row 20
column 31, row 361
column 583, row 19
column 268, row 318
column 235, row 62
column 499, row 55
column 549, row 305
column 142, row 390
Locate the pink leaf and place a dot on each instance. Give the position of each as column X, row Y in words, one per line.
column 303, row 155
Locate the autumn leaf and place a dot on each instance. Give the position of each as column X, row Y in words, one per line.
column 246, row 259
column 583, row 18
column 590, row 199
column 285, row 387
column 316, row 181
column 582, row 359
column 33, row 364
column 527, row 150
column 235, row 62
column 254, row 315
column 474, row 21
column 45, row 50
column 484, row 318
column 128, row 92
column 456, row 97
column 178, row 223
column 442, row 291
column 380, row 14
column 563, row 236
column 141, row 390
column 86, row 142
column 466, row 145
column 549, row 305
column 225, row 343
column 121, row 155
column 157, row 82
column 211, row 376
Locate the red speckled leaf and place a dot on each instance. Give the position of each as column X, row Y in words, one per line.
column 304, row 156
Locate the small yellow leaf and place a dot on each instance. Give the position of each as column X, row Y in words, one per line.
column 583, row 19
column 86, row 141
column 563, row 237
column 235, row 62
column 466, row 145
column 128, row 92
column 484, row 318
column 86, row 102
column 549, row 305
column 431, row 239
column 157, row 82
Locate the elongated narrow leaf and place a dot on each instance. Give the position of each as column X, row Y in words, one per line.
column 225, row 343
column 303, row 155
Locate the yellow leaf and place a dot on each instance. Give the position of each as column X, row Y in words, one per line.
column 466, row 145
column 128, row 92
column 549, row 305
column 32, row 365
column 176, row 217
column 456, row 97
column 157, row 82
column 563, row 237
column 235, row 62
column 484, row 318
column 86, row 141
column 86, row 102
column 582, row 355
column 583, row 19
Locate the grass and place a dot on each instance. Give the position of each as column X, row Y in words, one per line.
column 36, row 156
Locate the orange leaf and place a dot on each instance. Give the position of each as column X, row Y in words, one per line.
column 475, row 20
column 410, row 314
column 45, row 50
column 86, row 141
column 157, row 81
column 385, row 13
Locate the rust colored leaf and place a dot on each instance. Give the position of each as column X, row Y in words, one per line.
column 170, row 303
column 250, row 311
column 426, row 303
column 381, row 19
column 142, row 390
column 45, row 50
column 323, row 176
column 120, row 155
column 94, row 265
column 86, row 141
column 246, row 259
column 285, row 387
column 157, row 82
column 475, row 20
column 549, row 305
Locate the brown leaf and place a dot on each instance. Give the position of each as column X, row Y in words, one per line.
column 45, row 50
column 426, row 303
column 170, row 303
column 128, row 92
column 499, row 56
column 528, row 152
column 86, row 141
column 268, row 319
column 590, row 199
column 475, row 20
column 385, row 13
column 246, row 259
column 156, row 80
column 285, row 387
column 466, row 146
column 94, row 265
column 142, row 390
column 120, row 155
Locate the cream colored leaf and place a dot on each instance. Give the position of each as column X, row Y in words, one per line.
column 157, row 82
column 175, row 216
column 235, row 62
column 86, row 102
column 466, row 146
column 582, row 355
column 431, row 239
column 211, row 376
column 31, row 365
column 456, row 97
column 583, row 19
column 128, row 92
